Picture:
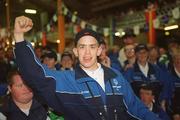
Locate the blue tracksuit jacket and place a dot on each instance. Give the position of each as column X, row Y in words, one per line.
column 158, row 78
column 77, row 95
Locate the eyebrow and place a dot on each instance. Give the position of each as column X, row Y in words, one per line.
column 88, row 44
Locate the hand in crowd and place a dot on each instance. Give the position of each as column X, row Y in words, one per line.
column 22, row 24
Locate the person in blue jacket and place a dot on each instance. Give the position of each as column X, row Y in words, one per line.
column 147, row 96
column 90, row 92
column 144, row 72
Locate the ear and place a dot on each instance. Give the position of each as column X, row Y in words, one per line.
column 75, row 52
column 99, row 51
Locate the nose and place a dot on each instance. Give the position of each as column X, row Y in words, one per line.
column 87, row 50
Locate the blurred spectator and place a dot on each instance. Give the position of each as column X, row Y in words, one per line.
column 145, row 73
column 113, row 55
column 20, row 104
column 128, row 39
column 147, row 96
column 67, row 61
column 38, row 51
column 10, row 59
column 49, row 58
column 175, row 72
column 130, row 55
column 154, row 58
column 4, row 68
column 103, row 58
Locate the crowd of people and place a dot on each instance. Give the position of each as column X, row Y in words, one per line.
column 93, row 82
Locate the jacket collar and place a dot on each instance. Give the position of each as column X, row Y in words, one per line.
column 108, row 73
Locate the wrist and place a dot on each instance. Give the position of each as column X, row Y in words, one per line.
column 19, row 37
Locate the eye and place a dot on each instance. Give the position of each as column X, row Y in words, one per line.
column 81, row 46
column 93, row 46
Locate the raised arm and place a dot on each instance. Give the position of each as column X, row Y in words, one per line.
column 40, row 79
column 22, row 24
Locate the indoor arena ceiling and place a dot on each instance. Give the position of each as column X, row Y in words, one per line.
column 85, row 9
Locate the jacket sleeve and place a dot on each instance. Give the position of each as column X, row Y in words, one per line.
column 166, row 81
column 35, row 76
column 134, row 106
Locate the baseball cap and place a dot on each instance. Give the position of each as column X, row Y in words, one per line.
column 141, row 47
column 87, row 32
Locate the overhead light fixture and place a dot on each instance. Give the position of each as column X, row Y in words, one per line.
column 171, row 27
column 30, row 11
column 117, row 34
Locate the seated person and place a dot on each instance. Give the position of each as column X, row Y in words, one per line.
column 20, row 104
column 147, row 96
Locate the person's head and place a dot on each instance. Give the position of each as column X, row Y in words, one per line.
column 9, row 53
column 49, row 58
column 129, row 51
column 153, row 54
column 67, row 60
column 147, row 94
column 19, row 91
column 129, row 38
column 87, row 48
column 38, row 51
column 176, row 58
column 104, row 50
column 141, row 52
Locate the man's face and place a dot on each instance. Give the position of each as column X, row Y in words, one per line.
column 67, row 62
column 19, row 91
column 146, row 96
column 87, row 50
column 129, row 51
column 50, row 62
column 142, row 56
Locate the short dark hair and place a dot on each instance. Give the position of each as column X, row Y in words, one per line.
column 148, row 87
column 10, row 76
column 67, row 54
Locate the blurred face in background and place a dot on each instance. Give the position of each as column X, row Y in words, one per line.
column 129, row 51
column 66, row 62
column 146, row 96
column 50, row 62
column 142, row 56
column 153, row 54
column 20, row 92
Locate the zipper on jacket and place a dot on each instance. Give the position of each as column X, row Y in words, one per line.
column 115, row 114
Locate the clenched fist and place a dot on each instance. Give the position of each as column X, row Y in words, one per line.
column 22, row 24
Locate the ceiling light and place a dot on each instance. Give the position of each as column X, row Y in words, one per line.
column 171, row 27
column 30, row 11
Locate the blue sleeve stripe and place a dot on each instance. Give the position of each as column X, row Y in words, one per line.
column 38, row 62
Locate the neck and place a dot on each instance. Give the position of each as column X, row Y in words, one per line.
column 132, row 60
column 142, row 63
column 23, row 105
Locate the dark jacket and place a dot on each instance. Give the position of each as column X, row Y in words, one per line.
column 78, row 96
column 160, row 112
column 158, row 78
column 12, row 112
